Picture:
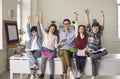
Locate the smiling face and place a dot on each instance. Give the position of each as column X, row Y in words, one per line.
column 34, row 33
column 81, row 29
column 66, row 23
column 95, row 29
column 52, row 29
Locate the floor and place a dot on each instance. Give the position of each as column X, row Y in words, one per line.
column 6, row 75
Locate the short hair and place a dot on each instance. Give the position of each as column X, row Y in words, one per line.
column 66, row 20
column 34, row 28
column 95, row 24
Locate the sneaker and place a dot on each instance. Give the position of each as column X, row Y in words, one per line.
column 32, row 77
column 41, row 76
column 34, row 67
column 79, row 75
column 89, row 59
column 93, row 77
column 51, row 77
column 71, row 75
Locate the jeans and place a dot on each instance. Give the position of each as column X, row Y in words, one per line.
column 51, row 61
column 80, row 62
column 33, row 59
column 95, row 57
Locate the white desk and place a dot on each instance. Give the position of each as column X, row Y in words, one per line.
column 108, row 65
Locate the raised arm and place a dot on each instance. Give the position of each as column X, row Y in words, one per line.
column 41, row 21
column 76, row 23
column 87, row 11
column 28, row 26
column 38, row 26
column 102, row 19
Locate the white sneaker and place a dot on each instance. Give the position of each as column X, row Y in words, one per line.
column 89, row 59
column 79, row 75
column 71, row 75
column 34, row 67
column 32, row 77
column 93, row 77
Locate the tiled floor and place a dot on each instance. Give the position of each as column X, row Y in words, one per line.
column 6, row 75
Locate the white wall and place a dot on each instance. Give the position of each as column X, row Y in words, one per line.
column 1, row 23
column 6, row 5
column 61, row 9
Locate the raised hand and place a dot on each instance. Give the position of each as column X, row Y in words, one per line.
column 102, row 18
column 76, row 16
column 40, row 16
column 102, row 13
column 29, row 19
column 87, row 11
column 37, row 18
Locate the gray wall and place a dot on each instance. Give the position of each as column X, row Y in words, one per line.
column 60, row 9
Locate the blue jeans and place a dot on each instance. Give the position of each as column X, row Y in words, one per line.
column 50, row 59
column 33, row 59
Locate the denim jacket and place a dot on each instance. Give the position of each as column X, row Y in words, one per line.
column 39, row 37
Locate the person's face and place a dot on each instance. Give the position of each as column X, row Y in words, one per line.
column 52, row 29
column 95, row 29
column 34, row 33
column 66, row 24
column 81, row 30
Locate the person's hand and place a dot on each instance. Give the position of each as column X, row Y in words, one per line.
column 63, row 40
column 40, row 16
column 87, row 11
column 76, row 16
column 29, row 19
column 102, row 13
column 37, row 18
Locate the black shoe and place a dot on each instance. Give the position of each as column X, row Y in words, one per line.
column 77, row 78
column 41, row 76
column 51, row 77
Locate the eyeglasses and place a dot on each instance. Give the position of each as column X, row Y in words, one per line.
column 66, row 23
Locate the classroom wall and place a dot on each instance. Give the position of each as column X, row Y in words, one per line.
column 61, row 9
column 5, row 5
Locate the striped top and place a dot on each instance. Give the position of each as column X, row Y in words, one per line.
column 94, row 40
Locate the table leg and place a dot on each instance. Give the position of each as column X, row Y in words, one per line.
column 11, row 75
column 21, row 75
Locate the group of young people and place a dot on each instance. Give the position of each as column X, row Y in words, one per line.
column 86, row 39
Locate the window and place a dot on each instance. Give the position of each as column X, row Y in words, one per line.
column 19, row 13
column 118, row 5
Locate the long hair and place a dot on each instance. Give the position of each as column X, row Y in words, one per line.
column 53, row 25
column 78, row 36
column 83, row 32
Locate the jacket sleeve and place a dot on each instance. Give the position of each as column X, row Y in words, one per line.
column 28, row 30
column 39, row 30
column 88, row 29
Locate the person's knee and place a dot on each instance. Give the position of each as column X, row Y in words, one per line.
column 106, row 52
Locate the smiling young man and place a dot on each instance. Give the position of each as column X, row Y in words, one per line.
column 68, row 35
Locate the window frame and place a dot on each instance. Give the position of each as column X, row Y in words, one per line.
column 118, row 20
column 19, row 21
